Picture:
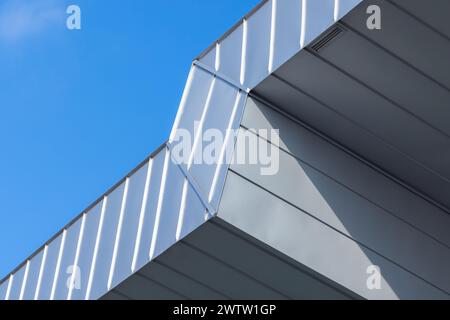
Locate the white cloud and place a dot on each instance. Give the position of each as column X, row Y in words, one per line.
column 20, row 19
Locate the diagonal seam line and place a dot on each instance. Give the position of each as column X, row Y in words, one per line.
column 220, row 75
column 142, row 213
column 195, row 185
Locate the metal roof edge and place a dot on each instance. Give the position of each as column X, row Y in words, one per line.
column 230, row 31
column 80, row 215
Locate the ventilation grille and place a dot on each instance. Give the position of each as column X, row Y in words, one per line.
column 326, row 39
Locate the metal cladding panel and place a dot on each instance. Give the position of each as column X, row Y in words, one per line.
column 346, row 95
column 319, row 17
column 4, row 289
column 426, row 11
column 195, row 98
column 15, row 293
column 169, row 204
column 230, row 140
column 33, row 276
column 213, row 130
column 286, row 32
column 257, row 35
column 126, row 236
column 230, row 54
column 107, row 235
column 8, row 284
column 186, row 187
column 145, row 232
column 86, row 251
column 192, row 214
column 170, row 278
column 351, row 53
column 210, row 59
column 61, row 286
column 208, row 112
column 46, row 279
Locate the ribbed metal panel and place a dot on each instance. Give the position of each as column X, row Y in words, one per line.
column 67, row 260
column 33, row 276
column 271, row 35
column 147, row 215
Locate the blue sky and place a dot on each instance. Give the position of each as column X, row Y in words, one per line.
column 79, row 109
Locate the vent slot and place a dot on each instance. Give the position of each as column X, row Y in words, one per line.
column 327, row 38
